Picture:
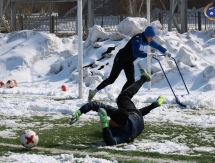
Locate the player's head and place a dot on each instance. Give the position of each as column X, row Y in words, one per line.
column 118, row 118
column 149, row 33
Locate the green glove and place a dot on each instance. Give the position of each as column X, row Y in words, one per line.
column 103, row 117
column 75, row 117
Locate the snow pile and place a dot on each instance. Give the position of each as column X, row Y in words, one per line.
column 60, row 63
column 127, row 28
column 186, row 56
column 131, row 26
column 26, row 158
column 97, row 33
column 209, row 72
column 194, row 45
column 22, row 53
column 41, row 60
column 211, row 32
column 188, row 50
column 66, row 54
column 162, row 148
column 209, row 75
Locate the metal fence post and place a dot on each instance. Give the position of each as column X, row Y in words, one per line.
column 149, row 57
column 205, row 23
column 1, row 12
column 85, row 20
column 121, row 18
column 50, row 16
column 21, row 22
column 56, row 23
column 160, row 18
column 85, row 25
column 91, row 13
column 52, row 25
column 195, row 21
column 13, row 16
column 199, row 21
column 80, row 49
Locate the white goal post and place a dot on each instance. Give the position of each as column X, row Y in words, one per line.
column 149, row 57
column 80, row 50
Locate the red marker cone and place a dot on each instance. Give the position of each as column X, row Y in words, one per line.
column 63, row 88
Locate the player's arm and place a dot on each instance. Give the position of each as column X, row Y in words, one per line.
column 157, row 46
column 94, row 106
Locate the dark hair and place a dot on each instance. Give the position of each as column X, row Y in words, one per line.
column 120, row 116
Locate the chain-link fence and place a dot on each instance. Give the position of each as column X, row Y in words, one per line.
column 55, row 24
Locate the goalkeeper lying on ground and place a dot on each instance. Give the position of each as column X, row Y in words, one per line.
column 126, row 122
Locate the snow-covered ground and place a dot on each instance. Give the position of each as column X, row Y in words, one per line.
column 65, row 158
column 41, row 63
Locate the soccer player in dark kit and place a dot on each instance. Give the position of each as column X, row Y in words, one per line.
column 135, row 48
column 126, row 121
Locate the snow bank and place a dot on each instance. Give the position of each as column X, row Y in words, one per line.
column 56, row 68
column 25, row 52
column 28, row 47
column 131, row 26
column 157, row 26
column 97, row 33
column 186, row 56
column 26, row 34
column 195, row 46
column 186, row 49
column 67, row 158
column 165, row 147
column 62, row 62
column 116, row 36
column 211, row 32
column 89, row 80
column 209, row 72
column 66, row 54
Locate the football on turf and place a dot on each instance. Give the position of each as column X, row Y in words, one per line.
column 10, row 84
column 15, row 83
column 2, row 84
column 29, row 139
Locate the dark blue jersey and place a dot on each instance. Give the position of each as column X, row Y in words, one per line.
column 118, row 135
column 137, row 48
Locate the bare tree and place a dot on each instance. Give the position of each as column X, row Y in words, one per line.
column 131, row 7
column 29, row 8
column 136, row 7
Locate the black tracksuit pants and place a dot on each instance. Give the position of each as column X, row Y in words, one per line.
column 121, row 62
column 124, row 99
